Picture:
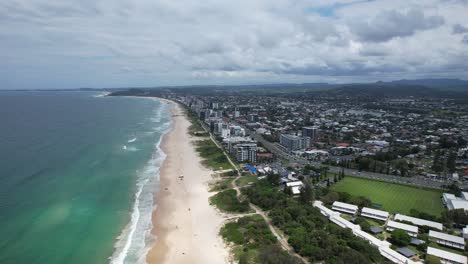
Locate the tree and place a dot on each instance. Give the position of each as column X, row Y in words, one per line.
column 363, row 223
column 361, row 201
column 445, row 142
column 353, row 257
column 307, row 193
column 461, row 142
column 458, row 217
column 274, row 179
column 451, row 161
column 455, row 189
column 314, row 180
column 437, row 164
column 422, row 247
column 244, row 259
column 400, row 237
column 330, row 197
column 364, row 163
column 402, row 166
column 344, row 197
column 275, row 255
column 324, row 171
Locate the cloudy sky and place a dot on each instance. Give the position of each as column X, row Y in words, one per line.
column 121, row 43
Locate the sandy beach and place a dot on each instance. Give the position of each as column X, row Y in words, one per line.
column 185, row 224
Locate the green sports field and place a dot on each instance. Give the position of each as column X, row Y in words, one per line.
column 394, row 198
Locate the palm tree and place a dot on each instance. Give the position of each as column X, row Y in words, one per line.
column 324, row 172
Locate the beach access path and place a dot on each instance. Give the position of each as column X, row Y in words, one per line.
column 281, row 239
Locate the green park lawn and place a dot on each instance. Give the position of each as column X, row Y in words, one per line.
column 245, row 180
column 394, row 198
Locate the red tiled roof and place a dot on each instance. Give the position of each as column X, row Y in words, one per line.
column 343, row 144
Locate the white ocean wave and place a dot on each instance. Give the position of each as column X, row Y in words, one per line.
column 103, row 94
column 136, row 238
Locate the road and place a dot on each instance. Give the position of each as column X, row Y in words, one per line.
column 281, row 239
column 414, row 181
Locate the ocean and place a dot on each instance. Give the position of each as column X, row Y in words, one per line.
column 78, row 171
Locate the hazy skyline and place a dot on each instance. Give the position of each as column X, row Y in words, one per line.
column 118, row 43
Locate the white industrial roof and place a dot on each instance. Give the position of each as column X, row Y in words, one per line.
column 296, row 189
column 458, row 204
column 464, row 195
column 345, row 205
column 395, row 255
column 447, row 255
column 447, row 237
column 294, row 183
column 418, row 221
column 405, row 227
column 449, row 196
column 368, row 210
column 375, row 241
column 316, row 151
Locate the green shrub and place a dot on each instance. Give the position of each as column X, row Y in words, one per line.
column 249, row 231
column 227, row 201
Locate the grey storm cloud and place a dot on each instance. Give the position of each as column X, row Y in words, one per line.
column 391, row 24
column 105, row 43
column 459, row 29
column 465, row 39
column 349, row 68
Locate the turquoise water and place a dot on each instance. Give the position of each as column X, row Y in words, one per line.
column 76, row 172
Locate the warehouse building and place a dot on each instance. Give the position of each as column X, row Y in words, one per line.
column 375, row 214
column 419, row 222
column 447, row 240
column 411, row 230
column 345, row 207
column 447, row 257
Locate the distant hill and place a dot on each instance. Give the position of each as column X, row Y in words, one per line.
column 386, row 90
column 452, row 84
column 405, row 88
column 453, row 88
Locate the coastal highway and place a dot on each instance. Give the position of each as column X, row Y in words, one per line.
column 415, row 181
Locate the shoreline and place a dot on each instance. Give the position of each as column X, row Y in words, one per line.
column 123, row 241
column 185, row 225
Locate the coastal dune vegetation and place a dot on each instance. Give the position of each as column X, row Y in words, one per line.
column 253, row 242
column 213, row 157
column 227, row 201
column 308, row 231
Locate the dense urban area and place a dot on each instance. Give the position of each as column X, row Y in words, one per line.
column 341, row 176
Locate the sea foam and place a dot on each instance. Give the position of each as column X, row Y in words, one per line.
column 136, row 239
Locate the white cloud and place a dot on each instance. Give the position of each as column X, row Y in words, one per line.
column 107, row 43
